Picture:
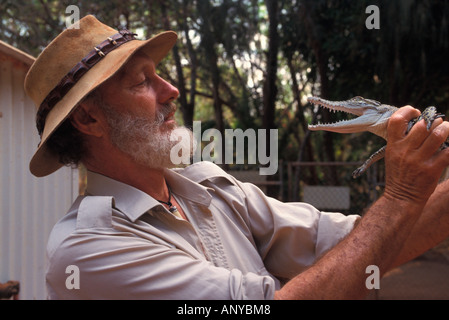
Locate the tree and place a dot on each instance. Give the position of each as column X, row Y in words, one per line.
column 250, row 63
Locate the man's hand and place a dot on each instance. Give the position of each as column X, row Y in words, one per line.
column 413, row 161
column 413, row 165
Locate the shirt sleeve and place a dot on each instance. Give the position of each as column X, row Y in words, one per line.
column 113, row 264
column 290, row 236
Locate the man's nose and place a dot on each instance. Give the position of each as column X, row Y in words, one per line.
column 166, row 92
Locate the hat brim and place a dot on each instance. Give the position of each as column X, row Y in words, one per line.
column 45, row 162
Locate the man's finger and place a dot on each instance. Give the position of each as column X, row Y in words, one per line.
column 435, row 139
column 397, row 125
column 419, row 133
column 442, row 158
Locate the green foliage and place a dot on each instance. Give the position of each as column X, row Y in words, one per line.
column 220, row 61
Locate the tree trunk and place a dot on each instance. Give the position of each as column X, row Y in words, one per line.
column 187, row 109
column 208, row 44
column 270, row 87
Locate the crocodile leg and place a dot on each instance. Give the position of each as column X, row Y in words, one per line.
column 429, row 115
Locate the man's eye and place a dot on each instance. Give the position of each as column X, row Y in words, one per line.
column 144, row 82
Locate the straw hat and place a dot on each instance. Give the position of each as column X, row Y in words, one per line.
column 76, row 62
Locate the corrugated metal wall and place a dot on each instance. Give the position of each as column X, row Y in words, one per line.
column 29, row 206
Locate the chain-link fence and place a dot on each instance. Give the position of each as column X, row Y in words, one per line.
column 326, row 185
column 330, row 185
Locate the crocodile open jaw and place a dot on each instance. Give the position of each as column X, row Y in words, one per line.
column 371, row 115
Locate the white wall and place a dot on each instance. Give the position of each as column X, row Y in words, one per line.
column 29, row 206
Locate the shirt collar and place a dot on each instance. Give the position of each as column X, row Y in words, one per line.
column 134, row 202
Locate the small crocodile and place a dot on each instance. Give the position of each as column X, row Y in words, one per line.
column 373, row 117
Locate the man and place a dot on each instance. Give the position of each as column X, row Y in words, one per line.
column 145, row 231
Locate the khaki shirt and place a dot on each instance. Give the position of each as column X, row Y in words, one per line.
column 119, row 243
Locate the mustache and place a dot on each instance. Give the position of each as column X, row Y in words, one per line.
column 164, row 111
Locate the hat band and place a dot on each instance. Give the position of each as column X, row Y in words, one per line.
column 71, row 78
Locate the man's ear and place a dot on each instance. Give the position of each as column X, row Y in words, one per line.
column 88, row 119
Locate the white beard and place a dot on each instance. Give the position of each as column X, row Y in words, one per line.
column 147, row 142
